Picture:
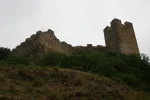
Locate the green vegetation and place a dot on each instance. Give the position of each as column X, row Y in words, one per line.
column 4, row 52
column 131, row 69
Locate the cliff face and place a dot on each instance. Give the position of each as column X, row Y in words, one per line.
column 40, row 43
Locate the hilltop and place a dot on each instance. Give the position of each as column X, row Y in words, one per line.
column 26, row 72
column 38, row 83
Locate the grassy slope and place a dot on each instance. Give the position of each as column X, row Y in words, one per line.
column 37, row 83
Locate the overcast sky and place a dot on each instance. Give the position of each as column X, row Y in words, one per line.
column 78, row 22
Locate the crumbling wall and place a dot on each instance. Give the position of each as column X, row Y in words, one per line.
column 120, row 38
column 109, row 39
column 127, row 39
column 89, row 47
column 40, row 43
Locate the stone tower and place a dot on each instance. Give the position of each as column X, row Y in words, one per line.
column 120, row 38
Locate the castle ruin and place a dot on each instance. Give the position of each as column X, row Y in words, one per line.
column 41, row 43
column 119, row 38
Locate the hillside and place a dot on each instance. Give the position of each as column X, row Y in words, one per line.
column 19, row 82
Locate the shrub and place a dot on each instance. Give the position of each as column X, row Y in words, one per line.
column 4, row 52
column 51, row 59
column 130, row 79
column 18, row 60
column 66, row 62
column 106, row 69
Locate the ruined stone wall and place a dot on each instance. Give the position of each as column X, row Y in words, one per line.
column 127, row 39
column 89, row 47
column 43, row 42
column 109, row 39
column 120, row 38
column 40, row 43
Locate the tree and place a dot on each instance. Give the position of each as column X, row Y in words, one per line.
column 4, row 52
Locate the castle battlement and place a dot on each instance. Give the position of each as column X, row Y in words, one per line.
column 116, row 22
column 90, row 47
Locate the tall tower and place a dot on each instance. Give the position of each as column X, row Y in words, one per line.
column 120, row 38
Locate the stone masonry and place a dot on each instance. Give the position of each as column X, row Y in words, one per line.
column 40, row 43
column 119, row 39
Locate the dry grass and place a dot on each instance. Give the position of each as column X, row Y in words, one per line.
column 38, row 83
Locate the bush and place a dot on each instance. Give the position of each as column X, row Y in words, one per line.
column 18, row 60
column 66, row 61
column 131, row 80
column 4, row 52
column 106, row 69
column 131, row 69
column 51, row 59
